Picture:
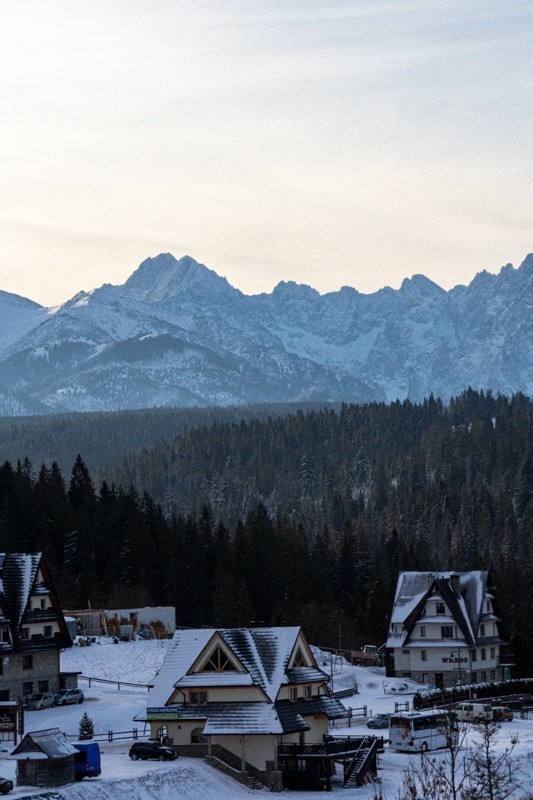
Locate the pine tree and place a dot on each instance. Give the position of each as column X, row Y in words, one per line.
column 86, row 729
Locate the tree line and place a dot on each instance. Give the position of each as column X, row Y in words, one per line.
column 313, row 516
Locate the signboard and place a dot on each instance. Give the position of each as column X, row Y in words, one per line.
column 165, row 713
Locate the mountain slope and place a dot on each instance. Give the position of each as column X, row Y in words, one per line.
column 178, row 334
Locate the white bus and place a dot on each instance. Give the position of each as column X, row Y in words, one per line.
column 419, row 731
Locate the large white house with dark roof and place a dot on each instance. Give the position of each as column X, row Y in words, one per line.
column 240, row 693
column 32, row 627
column 444, row 629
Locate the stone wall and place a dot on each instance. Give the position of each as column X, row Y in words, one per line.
column 14, row 675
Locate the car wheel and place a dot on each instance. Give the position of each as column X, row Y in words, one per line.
column 134, row 756
column 80, row 700
column 63, row 702
column 161, row 757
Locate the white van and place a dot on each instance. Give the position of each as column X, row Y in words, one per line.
column 474, row 712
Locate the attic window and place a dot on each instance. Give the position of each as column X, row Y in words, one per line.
column 219, row 662
column 440, row 608
column 299, row 660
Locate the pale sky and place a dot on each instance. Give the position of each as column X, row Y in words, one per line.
column 349, row 142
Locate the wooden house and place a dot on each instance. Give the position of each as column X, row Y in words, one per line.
column 32, row 627
column 243, row 696
column 45, row 758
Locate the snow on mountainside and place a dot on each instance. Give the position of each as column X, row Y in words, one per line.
column 178, row 334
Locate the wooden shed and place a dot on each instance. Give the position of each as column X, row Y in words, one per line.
column 45, row 758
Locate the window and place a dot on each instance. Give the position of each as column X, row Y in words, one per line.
column 406, row 652
column 219, row 662
column 483, row 655
column 27, row 662
column 24, row 633
column 440, row 608
column 197, row 736
column 423, row 631
column 43, row 686
column 5, row 635
column 293, row 694
column 424, row 655
column 424, row 677
column 474, row 677
column 488, row 605
column 27, row 687
column 446, row 631
column 308, row 692
column 483, row 676
column 493, row 674
column 47, row 631
column 299, row 660
column 198, row 697
column 474, row 655
column 492, row 652
column 43, row 604
column 482, row 630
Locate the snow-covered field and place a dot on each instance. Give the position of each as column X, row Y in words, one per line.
column 192, row 779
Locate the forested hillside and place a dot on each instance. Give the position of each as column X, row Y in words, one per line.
column 303, row 519
column 105, row 438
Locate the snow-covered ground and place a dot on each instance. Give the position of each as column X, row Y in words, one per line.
column 192, row 779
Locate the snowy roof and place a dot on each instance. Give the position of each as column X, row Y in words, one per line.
column 463, row 593
column 18, row 574
column 284, row 716
column 50, row 743
column 264, row 654
column 215, row 679
column 241, row 718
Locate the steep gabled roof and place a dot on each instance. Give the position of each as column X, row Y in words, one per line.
column 463, row 593
column 263, row 652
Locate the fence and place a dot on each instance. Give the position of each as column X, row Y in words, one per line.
column 354, row 713
column 92, row 680
column 111, row 736
column 401, row 706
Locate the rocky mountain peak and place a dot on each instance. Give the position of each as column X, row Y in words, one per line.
column 165, row 277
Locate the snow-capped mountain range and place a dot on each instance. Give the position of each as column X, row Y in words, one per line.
column 178, row 334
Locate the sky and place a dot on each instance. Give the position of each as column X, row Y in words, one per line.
column 339, row 142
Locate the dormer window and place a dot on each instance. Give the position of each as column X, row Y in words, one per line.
column 299, row 660
column 440, row 608
column 218, row 662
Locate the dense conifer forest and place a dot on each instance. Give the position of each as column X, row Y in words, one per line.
column 305, row 518
column 104, row 437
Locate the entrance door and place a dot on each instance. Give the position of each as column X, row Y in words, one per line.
column 439, row 680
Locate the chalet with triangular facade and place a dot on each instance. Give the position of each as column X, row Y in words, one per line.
column 240, row 693
column 444, row 629
column 32, row 627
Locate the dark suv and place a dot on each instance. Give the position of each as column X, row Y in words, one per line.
column 146, row 750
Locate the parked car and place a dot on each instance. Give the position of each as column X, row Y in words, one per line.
column 379, row 721
column 474, row 712
column 5, row 785
column 144, row 750
column 40, row 700
column 502, row 714
column 69, row 696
